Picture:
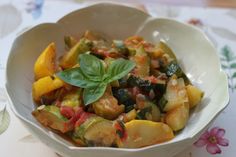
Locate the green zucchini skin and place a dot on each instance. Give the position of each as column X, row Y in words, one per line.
column 173, row 68
column 142, row 113
column 124, row 97
column 51, row 117
column 119, row 45
column 147, row 110
column 94, row 132
column 162, row 103
column 146, row 85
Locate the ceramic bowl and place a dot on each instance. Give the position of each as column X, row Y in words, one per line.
column 195, row 52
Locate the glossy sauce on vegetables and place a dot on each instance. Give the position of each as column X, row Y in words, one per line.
column 121, row 93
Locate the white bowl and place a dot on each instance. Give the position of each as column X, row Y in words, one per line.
column 195, row 52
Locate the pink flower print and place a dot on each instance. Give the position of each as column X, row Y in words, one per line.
column 195, row 22
column 212, row 139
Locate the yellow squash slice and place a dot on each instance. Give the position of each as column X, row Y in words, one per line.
column 45, row 85
column 45, row 64
column 142, row 133
column 194, row 95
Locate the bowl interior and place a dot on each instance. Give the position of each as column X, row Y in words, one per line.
column 195, row 53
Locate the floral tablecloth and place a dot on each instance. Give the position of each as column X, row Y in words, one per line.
column 17, row 16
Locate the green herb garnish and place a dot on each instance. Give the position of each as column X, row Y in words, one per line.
column 93, row 77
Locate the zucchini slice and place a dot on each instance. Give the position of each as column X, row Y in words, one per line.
column 72, row 98
column 124, row 97
column 173, row 68
column 119, row 45
column 162, row 45
column 70, row 41
column 150, row 112
column 101, row 134
column 69, row 59
column 146, row 85
column 51, row 117
column 96, row 131
column 81, row 129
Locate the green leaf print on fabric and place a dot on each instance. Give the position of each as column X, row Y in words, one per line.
column 228, row 63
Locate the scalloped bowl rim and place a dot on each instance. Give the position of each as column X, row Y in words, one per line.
column 226, row 100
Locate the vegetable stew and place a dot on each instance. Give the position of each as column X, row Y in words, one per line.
column 122, row 93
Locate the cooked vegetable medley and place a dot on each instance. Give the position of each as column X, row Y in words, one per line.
column 127, row 94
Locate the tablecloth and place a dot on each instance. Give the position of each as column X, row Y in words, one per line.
column 17, row 16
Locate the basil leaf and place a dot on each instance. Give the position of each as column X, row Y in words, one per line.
column 91, row 75
column 76, row 77
column 92, row 67
column 119, row 68
column 91, row 95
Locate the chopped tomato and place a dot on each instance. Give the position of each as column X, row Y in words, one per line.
column 67, row 112
column 84, row 116
column 152, row 79
column 133, row 41
column 120, row 130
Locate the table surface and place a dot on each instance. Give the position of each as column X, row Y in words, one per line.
column 218, row 24
column 199, row 3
